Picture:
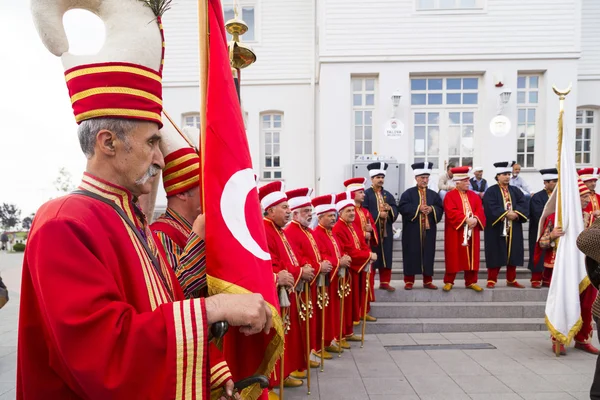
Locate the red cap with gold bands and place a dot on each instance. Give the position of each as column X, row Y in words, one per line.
column 115, row 90
column 182, row 171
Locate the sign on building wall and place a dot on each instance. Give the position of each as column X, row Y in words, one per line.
column 500, row 126
column 394, row 128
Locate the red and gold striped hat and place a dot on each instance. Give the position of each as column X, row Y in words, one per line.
column 588, row 174
column 122, row 80
column 182, row 163
column 583, row 189
column 115, row 90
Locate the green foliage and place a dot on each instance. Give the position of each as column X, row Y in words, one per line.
column 20, row 247
column 9, row 216
column 63, row 182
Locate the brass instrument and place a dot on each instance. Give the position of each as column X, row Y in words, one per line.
column 467, row 232
column 364, row 318
column 507, row 222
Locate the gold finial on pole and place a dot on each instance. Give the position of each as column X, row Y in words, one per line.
column 561, row 97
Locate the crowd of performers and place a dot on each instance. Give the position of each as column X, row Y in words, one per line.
column 335, row 261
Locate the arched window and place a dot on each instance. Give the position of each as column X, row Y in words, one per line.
column 586, row 127
column 271, row 130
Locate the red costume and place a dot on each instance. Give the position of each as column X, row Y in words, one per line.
column 353, row 244
column 97, row 320
column 458, row 206
column 188, row 257
column 283, row 258
column 590, row 174
column 362, row 220
column 546, row 248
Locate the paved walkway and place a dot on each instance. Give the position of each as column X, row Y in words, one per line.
column 509, row 365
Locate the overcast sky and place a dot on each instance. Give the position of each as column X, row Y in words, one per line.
column 39, row 133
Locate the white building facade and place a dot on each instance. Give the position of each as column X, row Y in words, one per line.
column 319, row 96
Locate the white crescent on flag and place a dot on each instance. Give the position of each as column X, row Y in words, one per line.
column 233, row 210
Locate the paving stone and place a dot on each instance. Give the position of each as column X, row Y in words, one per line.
column 570, row 383
column 395, row 339
column 395, row 397
column 547, row 396
column 528, row 383
column 496, row 396
column 456, row 363
column 342, row 389
column 388, row 386
column 581, row 395
column 481, row 384
column 416, row 362
column 432, row 384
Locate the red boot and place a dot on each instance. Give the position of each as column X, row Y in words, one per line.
column 430, row 285
column 563, row 351
column 587, row 347
column 514, row 284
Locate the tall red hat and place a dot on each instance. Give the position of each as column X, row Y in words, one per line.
column 588, row 174
column 324, row 204
column 583, row 189
column 299, row 198
column 272, row 194
column 182, row 163
column 355, row 184
column 343, row 200
column 124, row 79
column 460, row 173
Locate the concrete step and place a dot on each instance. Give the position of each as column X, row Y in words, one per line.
column 521, row 309
column 439, row 271
column 436, row 325
column 501, row 293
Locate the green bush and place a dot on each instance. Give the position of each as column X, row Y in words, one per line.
column 19, row 247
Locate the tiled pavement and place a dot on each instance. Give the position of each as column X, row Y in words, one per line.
column 520, row 366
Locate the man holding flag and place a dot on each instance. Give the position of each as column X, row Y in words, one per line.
column 589, row 176
column 568, row 294
column 237, row 254
column 546, row 252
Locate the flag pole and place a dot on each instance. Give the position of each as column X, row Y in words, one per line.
column 307, row 302
column 561, row 96
column 343, row 296
column 364, row 322
column 203, row 38
column 323, row 305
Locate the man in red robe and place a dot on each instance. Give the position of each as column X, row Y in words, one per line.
column 331, row 251
column 173, row 228
column 289, row 274
column 546, row 250
column 464, row 222
column 589, row 176
column 305, row 247
column 364, row 222
column 353, row 244
column 102, row 315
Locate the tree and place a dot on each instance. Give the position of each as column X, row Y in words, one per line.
column 26, row 223
column 63, row 182
column 9, row 216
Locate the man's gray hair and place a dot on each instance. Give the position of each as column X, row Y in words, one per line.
column 89, row 128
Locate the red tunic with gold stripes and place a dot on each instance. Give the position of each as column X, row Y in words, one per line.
column 186, row 253
column 97, row 320
column 283, row 258
column 304, row 246
column 353, row 243
column 361, row 221
column 546, row 247
column 458, row 206
column 593, row 205
column 330, row 251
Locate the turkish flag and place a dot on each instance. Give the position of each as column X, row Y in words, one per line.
column 237, row 255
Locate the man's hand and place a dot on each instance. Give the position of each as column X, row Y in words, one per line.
column 596, row 213
column 423, row 208
column 284, row 278
column 228, row 389
column 367, row 236
column 199, row 226
column 472, row 222
column 556, row 233
column 512, row 216
column 345, row 261
column 383, row 214
column 368, row 227
column 248, row 311
column 308, row 273
column 326, row 267
column 373, row 256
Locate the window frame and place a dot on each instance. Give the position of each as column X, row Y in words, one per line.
column 272, row 170
column 480, row 7
column 363, row 108
column 528, row 106
column 593, row 127
column 244, row 4
column 194, row 115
